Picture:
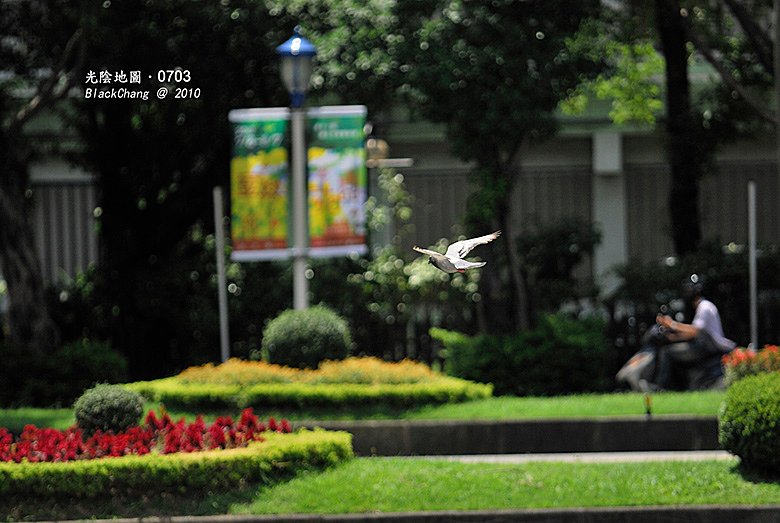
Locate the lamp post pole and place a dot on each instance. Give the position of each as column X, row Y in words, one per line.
column 297, row 55
column 300, row 223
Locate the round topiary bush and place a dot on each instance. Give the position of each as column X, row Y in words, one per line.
column 108, row 408
column 749, row 421
column 304, row 338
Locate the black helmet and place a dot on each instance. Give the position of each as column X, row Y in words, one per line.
column 693, row 285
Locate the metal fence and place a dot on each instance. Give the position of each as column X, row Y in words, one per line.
column 64, row 224
column 542, row 195
column 67, row 242
column 722, row 206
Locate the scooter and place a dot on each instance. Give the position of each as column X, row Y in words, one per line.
column 661, row 365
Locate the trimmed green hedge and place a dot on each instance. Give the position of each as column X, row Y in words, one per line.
column 279, row 456
column 559, row 356
column 193, row 396
column 749, row 421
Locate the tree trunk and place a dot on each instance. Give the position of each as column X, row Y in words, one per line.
column 522, row 315
column 30, row 324
column 684, row 159
column 491, row 204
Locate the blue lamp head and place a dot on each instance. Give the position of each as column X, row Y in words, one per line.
column 297, row 55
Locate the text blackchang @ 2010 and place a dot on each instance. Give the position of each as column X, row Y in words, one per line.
column 115, row 93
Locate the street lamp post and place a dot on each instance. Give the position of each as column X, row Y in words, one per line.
column 297, row 55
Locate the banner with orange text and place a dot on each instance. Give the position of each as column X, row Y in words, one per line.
column 338, row 185
column 259, row 184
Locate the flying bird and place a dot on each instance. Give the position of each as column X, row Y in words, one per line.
column 452, row 260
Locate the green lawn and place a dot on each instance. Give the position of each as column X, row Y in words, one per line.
column 499, row 408
column 396, row 484
column 15, row 419
column 704, row 403
column 401, row 484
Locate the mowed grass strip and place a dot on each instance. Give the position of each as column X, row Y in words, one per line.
column 699, row 403
column 703, row 403
column 398, row 484
column 366, row 485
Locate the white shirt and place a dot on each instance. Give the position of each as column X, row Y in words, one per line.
column 707, row 319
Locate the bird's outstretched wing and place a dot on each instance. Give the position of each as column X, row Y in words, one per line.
column 462, row 248
column 426, row 251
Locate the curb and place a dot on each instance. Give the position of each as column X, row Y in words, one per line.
column 651, row 514
column 447, row 437
column 584, row 457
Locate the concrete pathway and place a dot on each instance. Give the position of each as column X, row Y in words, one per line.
column 587, row 457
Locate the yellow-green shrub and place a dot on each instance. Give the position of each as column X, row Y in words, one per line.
column 192, row 396
column 239, row 372
column 346, row 383
column 371, row 370
column 351, row 370
column 445, row 390
column 279, row 456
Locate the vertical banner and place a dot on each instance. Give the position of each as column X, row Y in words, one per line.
column 259, row 183
column 338, row 184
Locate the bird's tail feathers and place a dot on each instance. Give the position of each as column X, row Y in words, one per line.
column 463, row 264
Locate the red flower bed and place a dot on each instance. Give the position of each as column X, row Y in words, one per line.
column 157, row 434
column 744, row 362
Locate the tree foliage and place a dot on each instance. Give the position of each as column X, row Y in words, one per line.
column 494, row 73
column 736, row 39
column 629, row 80
column 358, row 46
column 156, row 161
column 33, row 77
column 666, row 43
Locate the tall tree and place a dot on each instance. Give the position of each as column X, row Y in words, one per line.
column 697, row 120
column 682, row 139
column 494, row 73
column 157, row 159
column 741, row 41
column 735, row 39
column 37, row 76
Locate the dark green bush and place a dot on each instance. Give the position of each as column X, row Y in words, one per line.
column 60, row 378
column 749, row 422
column 82, row 364
column 549, row 256
column 108, row 408
column 304, row 338
column 561, row 355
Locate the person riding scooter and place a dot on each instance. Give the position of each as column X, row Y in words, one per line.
column 681, row 355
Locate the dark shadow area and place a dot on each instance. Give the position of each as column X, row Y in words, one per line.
column 196, row 502
column 756, row 475
column 158, row 504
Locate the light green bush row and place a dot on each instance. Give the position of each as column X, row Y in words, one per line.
column 301, row 395
column 749, row 421
column 279, row 456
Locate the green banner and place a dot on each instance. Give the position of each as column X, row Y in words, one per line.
column 259, row 181
column 337, row 180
